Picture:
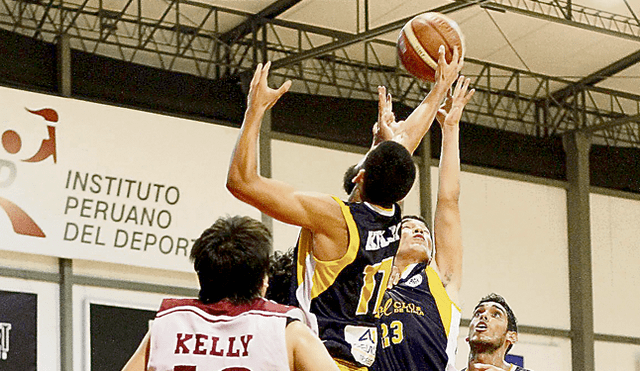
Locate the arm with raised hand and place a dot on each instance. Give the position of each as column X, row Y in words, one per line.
column 409, row 133
column 447, row 227
column 315, row 211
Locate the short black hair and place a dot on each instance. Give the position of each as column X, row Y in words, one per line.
column 280, row 276
column 231, row 259
column 389, row 173
column 415, row 217
column 512, row 322
column 347, row 179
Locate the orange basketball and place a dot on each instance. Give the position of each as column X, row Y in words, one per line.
column 420, row 39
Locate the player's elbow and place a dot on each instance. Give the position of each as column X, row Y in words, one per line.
column 449, row 197
column 237, row 184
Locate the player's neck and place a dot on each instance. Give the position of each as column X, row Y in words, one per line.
column 495, row 358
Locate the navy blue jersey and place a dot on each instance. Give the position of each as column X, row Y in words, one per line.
column 344, row 294
column 418, row 324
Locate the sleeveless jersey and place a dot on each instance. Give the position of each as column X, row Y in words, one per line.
column 342, row 295
column 418, row 324
column 188, row 335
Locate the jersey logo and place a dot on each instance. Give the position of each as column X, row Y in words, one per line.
column 382, row 238
column 414, row 281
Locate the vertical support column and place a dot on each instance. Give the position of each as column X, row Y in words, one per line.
column 65, row 265
column 577, row 147
column 66, row 314
column 265, row 158
column 425, row 179
column 64, row 65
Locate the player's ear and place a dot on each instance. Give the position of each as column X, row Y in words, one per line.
column 265, row 285
column 512, row 337
column 359, row 177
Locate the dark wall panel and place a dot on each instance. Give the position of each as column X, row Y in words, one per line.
column 498, row 149
column 614, row 167
column 114, row 81
column 350, row 121
column 334, row 119
column 27, row 63
column 116, row 333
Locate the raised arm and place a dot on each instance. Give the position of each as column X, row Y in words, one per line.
column 447, row 226
column 409, row 133
column 277, row 199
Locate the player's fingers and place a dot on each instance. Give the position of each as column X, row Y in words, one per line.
column 459, row 84
column 389, row 102
column 284, row 88
column 441, row 54
column 256, row 75
column 458, row 58
column 469, row 95
column 265, row 71
column 381, row 102
column 465, row 86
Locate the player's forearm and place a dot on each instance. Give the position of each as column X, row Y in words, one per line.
column 420, row 120
column 243, row 170
column 449, row 176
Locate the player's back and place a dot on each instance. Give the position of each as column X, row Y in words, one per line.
column 188, row 335
column 344, row 294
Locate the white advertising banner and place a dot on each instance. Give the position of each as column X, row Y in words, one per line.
column 88, row 181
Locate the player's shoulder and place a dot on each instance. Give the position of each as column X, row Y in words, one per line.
column 170, row 303
column 271, row 306
column 226, row 308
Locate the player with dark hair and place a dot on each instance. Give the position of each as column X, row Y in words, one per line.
column 418, row 319
column 280, row 275
column 230, row 326
column 492, row 332
column 345, row 250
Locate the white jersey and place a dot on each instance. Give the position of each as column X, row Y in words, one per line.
column 188, row 335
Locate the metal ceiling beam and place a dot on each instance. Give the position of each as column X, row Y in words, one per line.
column 598, row 76
column 246, row 27
column 609, row 125
column 367, row 35
column 577, row 16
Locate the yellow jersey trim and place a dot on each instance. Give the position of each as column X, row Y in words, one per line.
column 326, row 272
column 443, row 302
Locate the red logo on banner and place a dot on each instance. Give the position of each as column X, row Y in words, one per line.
column 12, row 143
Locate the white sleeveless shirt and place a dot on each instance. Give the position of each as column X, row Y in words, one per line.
column 188, row 335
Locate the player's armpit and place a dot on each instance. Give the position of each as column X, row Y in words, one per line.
column 306, row 351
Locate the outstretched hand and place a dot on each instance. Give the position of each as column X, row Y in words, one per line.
column 385, row 128
column 261, row 96
column 459, row 100
column 446, row 73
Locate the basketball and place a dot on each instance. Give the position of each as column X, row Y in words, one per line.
column 420, row 39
